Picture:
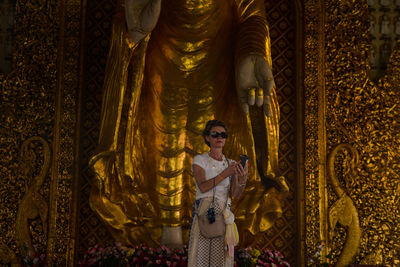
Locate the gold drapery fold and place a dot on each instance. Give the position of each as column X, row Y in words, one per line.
column 117, row 193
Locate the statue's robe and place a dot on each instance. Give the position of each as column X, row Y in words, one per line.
column 158, row 95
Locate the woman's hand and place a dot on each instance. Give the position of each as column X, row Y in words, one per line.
column 239, row 179
column 141, row 17
column 231, row 169
column 242, row 173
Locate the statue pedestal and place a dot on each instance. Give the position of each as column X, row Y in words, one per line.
column 172, row 237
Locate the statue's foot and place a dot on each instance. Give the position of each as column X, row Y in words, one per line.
column 172, row 237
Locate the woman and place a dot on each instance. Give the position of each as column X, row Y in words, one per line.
column 215, row 176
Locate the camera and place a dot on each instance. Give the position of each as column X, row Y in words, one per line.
column 211, row 215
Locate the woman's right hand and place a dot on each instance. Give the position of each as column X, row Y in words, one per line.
column 231, row 170
column 141, row 17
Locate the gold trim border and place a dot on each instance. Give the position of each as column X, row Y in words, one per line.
column 322, row 141
column 63, row 196
column 315, row 204
column 300, row 197
column 72, row 248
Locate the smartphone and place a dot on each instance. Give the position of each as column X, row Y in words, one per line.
column 243, row 160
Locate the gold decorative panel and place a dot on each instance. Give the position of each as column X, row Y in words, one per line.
column 38, row 131
column 344, row 108
column 365, row 115
column 27, row 107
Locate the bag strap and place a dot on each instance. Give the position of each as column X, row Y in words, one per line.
column 229, row 188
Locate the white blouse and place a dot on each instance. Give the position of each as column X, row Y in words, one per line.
column 212, row 168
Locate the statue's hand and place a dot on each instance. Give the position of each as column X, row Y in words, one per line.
column 141, row 17
column 254, row 83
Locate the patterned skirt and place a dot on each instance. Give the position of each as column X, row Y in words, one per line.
column 204, row 251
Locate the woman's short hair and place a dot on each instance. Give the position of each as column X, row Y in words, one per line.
column 210, row 124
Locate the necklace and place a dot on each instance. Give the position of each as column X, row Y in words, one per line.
column 217, row 165
column 215, row 158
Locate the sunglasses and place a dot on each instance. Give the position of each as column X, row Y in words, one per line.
column 216, row 134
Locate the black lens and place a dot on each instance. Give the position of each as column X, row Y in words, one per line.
column 224, row 135
column 216, row 134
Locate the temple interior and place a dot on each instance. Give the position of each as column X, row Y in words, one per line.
column 103, row 107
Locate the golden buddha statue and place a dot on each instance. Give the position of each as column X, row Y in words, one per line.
column 172, row 66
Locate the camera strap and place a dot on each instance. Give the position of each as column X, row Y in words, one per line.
column 229, row 188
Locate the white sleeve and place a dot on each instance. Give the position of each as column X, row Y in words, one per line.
column 198, row 160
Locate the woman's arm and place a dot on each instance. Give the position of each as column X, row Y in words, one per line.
column 206, row 185
column 239, row 180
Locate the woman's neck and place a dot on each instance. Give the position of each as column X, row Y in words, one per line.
column 215, row 153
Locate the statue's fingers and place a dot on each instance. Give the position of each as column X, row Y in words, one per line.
column 259, row 97
column 251, row 97
column 267, row 105
column 267, row 84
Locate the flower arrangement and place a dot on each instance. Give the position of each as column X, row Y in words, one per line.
column 163, row 256
column 105, row 256
column 271, row 258
column 248, row 257
column 117, row 255
column 33, row 257
column 316, row 259
column 142, row 255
